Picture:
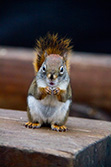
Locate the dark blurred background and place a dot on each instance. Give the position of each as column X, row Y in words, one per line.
column 87, row 23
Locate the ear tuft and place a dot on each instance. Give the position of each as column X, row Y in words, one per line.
column 45, row 54
column 65, row 56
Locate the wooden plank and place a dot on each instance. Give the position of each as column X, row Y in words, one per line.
column 87, row 143
column 17, row 73
column 91, row 81
column 90, row 78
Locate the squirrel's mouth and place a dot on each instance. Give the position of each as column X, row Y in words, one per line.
column 51, row 83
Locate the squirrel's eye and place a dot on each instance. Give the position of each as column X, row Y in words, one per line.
column 44, row 68
column 61, row 70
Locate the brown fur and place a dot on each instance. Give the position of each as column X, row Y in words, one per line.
column 52, row 45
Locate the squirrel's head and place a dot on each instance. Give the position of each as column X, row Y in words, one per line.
column 51, row 44
column 53, row 70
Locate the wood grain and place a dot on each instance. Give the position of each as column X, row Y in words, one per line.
column 87, row 143
column 91, row 80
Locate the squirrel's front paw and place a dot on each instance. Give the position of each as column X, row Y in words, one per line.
column 48, row 90
column 56, row 91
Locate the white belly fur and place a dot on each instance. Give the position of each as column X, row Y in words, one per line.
column 48, row 110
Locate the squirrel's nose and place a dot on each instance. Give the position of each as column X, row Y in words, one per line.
column 51, row 76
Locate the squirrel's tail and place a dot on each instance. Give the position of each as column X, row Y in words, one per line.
column 51, row 44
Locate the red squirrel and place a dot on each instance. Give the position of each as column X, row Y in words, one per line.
column 50, row 95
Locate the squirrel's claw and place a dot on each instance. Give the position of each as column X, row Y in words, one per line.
column 32, row 125
column 48, row 90
column 59, row 128
column 56, row 91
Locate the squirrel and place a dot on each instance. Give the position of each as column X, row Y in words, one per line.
column 49, row 95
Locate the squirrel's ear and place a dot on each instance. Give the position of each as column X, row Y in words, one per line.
column 65, row 56
column 45, row 54
column 39, row 53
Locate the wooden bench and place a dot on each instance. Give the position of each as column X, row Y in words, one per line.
column 87, row 143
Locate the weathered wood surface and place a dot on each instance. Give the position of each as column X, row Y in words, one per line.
column 16, row 74
column 86, row 144
column 90, row 78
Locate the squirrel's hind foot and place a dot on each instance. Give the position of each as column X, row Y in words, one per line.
column 32, row 125
column 59, row 128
